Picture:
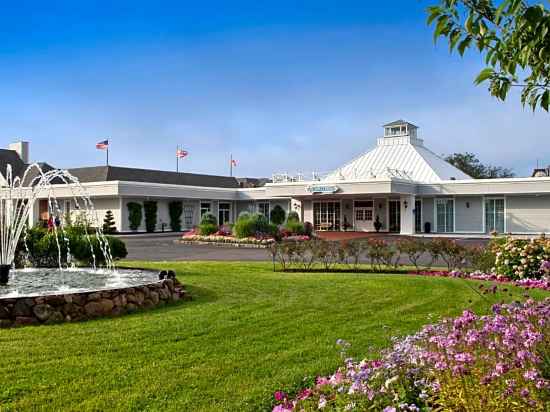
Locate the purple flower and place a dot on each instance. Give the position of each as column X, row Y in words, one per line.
column 531, row 375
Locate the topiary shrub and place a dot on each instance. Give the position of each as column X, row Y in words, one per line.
column 175, row 209
column 150, row 208
column 277, row 215
column 134, row 215
column 109, row 223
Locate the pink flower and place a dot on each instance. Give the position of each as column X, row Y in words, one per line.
column 304, row 394
column 281, row 408
column 280, row 396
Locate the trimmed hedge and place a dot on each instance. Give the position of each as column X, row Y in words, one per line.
column 150, row 208
column 134, row 215
column 175, row 209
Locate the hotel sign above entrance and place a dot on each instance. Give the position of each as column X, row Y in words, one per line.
column 322, row 189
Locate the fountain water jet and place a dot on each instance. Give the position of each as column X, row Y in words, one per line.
column 17, row 197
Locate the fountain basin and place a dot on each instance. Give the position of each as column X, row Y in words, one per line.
column 47, row 296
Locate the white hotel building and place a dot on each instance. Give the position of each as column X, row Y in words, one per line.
column 401, row 183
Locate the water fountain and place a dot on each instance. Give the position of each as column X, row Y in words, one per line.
column 46, row 295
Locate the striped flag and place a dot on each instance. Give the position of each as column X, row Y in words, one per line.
column 102, row 145
column 180, row 153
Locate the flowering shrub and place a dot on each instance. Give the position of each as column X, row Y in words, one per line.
column 478, row 363
column 520, row 258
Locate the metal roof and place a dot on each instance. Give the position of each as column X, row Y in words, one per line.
column 400, row 157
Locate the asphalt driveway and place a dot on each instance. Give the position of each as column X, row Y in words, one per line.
column 162, row 247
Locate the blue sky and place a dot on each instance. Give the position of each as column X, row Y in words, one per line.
column 284, row 86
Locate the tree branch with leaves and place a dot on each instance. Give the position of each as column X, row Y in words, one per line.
column 513, row 36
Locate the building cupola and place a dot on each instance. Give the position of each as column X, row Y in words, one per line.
column 400, row 132
column 400, row 128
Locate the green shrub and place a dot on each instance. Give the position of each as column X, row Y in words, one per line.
column 295, row 227
column 308, row 229
column 293, row 216
column 482, row 259
column 175, row 209
column 207, row 229
column 45, row 248
column 244, row 227
column 150, row 208
column 260, row 222
column 109, row 223
column 134, row 215
column 248, row 225
column 244, row 215
column 209, row 218
column 277, row 215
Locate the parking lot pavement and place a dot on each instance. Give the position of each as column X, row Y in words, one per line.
column 162, row 246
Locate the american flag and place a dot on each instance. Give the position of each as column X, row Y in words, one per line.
column 180, row 153
column 233, row 162
column 102, row 145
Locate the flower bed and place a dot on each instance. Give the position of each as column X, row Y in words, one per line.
column 478, row 363
column 227, row 240
column 223, row 237
column 542, row 283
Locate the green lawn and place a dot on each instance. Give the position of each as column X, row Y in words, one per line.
column 247, row 332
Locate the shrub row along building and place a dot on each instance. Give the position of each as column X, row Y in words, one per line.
column 400, row 186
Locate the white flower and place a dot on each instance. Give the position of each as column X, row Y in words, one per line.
column 390, row 381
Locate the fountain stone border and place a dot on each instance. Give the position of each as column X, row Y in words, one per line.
column 73, row 307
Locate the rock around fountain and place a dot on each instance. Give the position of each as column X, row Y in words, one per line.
column 67, row 293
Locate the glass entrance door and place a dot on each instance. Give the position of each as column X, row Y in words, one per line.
column 188, row 213
column 395, row 216
column 445, row 215
column 494, row 215
column 326, row 215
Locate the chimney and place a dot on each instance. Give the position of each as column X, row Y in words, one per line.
column 22, row 149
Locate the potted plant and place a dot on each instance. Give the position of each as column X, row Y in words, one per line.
column 377, row 224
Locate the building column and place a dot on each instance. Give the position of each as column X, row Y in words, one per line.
column 407, row 214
